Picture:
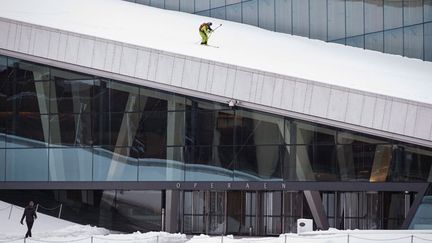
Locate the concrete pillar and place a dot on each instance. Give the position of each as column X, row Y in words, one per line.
column 172, row 211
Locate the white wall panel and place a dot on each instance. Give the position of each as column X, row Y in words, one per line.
column 398, row 117
column 142, row 64
column 25, row 36
column 4, row 29
column 277, row 93
column 320, row 100
column 12, row 35
column 230, row 81
column 177, row 72
column 53, row 44
column 41, row 43
column 99, row 55
column 378, row 113
column 128, row 61
column 254, row 87
column 72, row 49
column 61, row 55
column 410, row 120
column 242, row 85
column 109, row 57
column 423, row 122
column 190, row 74
column 299, row 96
column 267, row 90
column 387, row 113
column 118, row 52
column 85, row 52
column 202, row 77
column 354, row 107
column 337, row 104
column 154, row 56
column 219, row 80
column 210, row 80
column 288, row 94
column 367, row 113
column 164, row 69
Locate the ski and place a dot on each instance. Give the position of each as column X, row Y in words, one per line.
column 210, row 46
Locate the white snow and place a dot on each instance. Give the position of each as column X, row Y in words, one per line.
column 240, row 44
column 51, row 229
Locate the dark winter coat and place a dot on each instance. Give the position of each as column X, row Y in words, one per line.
column 29, row 214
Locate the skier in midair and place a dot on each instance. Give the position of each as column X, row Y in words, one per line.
column 204, row 31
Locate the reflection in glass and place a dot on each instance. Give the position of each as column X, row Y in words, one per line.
column 428, row 41
column 266, row 18
column 28, row 130
column 169, row 168
column 71, row 96
column 2, row 164
column 71, row 129
column 318, row 19
column 250, row 12
column 115, row 164
column 413, row 41
column 27, row 164
column 283, row 16
column 336, row 19
column 70, row 164
column 393, row 41
column 300, row 17
column 207, row 163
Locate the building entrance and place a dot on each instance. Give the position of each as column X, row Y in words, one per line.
column 241, row 212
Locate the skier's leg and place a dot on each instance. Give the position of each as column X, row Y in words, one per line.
column 203, row 38
column 29, row 228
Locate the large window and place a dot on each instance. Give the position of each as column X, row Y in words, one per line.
column 59, row 125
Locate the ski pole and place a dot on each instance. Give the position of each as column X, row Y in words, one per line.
column 214, row 30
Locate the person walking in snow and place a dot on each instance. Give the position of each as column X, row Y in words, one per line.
column 204, row 31
column 30, row 215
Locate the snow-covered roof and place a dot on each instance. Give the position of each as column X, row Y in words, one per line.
column 239, row 44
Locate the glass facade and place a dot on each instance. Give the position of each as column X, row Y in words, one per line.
column 58, row 125
column 401, row 27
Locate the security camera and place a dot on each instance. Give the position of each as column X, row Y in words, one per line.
column 231, row 103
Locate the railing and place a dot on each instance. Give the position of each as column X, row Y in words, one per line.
column 349, row 238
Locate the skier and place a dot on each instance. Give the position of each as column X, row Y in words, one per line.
column 30, row 215
column 204, row 31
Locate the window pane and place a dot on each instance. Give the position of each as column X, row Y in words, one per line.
column 28, row 130
column 354, row 18
column 267, row 14
column 374, row 41
column 373, row 16
column 205, row 127
column 356, row 41
column 336, row 20
column 413, row 12
column 354, row 162
column 172, row 4
column 27, row 164
column 257, row 162
column 254, row 128
column 151, row 134
column 250, row 12
column 428, row 41
column 164, row 168
column 393, row 41
column 234, row 12
column 413, row 41
column 70, row 164
column 123, row 97
column 157, row 3
column 115, row 164
column 187, row 6
column 300, row 17
column 427, row 10
column 318, row 19
column 202, row 5
column 4, row 86
column 71, row 130
column 324, row 163
column 71, row 96
column 152, row 100
column 219, row 13
column 24, row 71
column 411, row 164
column 283, row 16
column 209, row 163
column 393, row 14
column 115, row 129
column 2, row 164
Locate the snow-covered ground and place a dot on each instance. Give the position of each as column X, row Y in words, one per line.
column 51, row 229
column 240, row 44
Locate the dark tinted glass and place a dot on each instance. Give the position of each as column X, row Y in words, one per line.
column 115, row 129
column 71, row 96
column 28, row 130
column 71, row 129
